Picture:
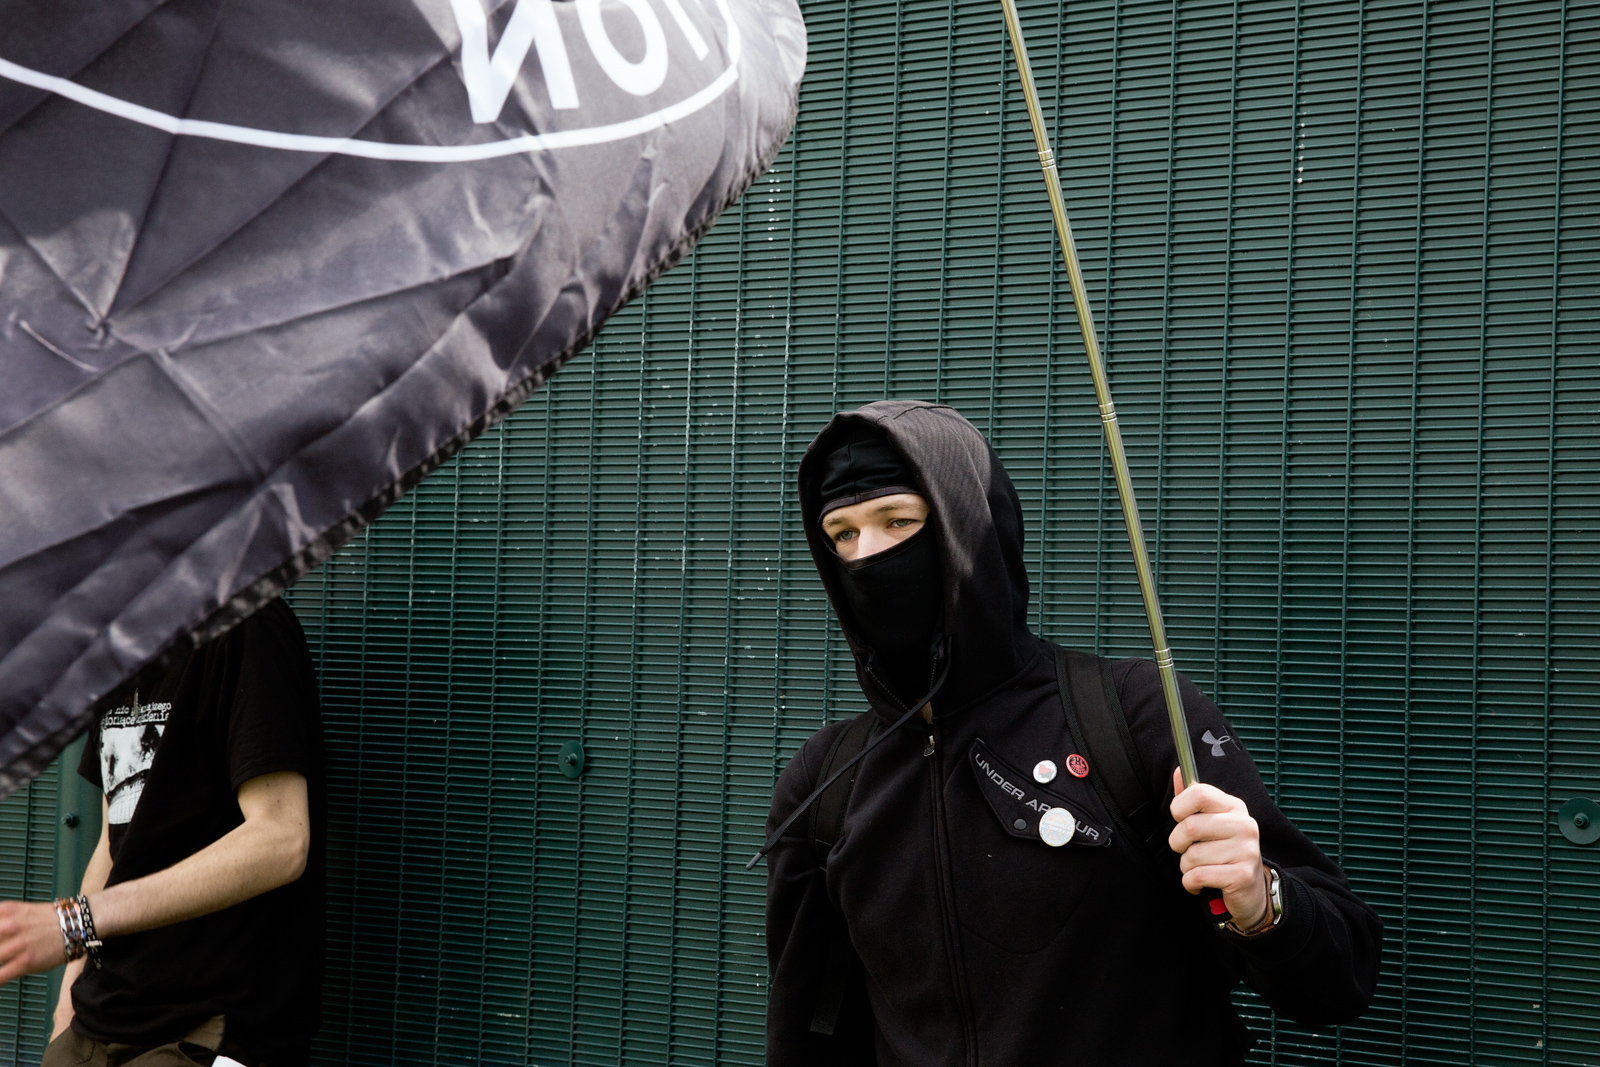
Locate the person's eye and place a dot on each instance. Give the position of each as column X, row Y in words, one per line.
column 845, row 535
column 901, row 524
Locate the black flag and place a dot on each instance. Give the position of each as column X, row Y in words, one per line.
column 264, row 266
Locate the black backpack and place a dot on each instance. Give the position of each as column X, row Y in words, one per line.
column 1099, row 729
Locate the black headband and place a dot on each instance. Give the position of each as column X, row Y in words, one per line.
column 864, row 469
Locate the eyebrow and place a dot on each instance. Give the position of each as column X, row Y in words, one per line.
column 880, row 509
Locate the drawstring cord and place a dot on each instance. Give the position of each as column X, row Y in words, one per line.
column 777, row 835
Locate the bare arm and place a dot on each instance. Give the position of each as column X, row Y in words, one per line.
column 267, row 850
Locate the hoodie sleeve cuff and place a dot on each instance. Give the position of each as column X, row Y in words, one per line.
column 1293, row 932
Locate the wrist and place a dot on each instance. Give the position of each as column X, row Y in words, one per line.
column 109, row 908
column 1262, row 915
column 1272, row 912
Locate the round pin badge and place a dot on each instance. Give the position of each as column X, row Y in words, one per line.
column 1044, row 772
column 1056, row 827
column 1077, row 766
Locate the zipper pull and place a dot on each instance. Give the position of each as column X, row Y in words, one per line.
column 928, row 751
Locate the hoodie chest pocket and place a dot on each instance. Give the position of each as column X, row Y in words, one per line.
column 1028, row 810
column 1026, row 857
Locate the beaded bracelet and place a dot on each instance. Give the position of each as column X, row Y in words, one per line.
column 78, row 938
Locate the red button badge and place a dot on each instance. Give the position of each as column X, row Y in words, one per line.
column 1077, row 766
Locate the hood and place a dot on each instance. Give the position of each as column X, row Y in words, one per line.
column 977, row 521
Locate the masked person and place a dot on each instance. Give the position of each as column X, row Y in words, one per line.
column 1005, row 875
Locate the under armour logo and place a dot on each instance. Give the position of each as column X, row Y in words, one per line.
column 1215, row 742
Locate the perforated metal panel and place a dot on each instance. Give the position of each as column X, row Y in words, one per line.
column 1343, row 255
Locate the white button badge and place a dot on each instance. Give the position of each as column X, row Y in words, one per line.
column 1044, row 771
column 1056, row 827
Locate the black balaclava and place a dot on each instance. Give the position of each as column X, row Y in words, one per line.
column 896, row 596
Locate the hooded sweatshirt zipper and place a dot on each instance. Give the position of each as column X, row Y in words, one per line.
column 946, row 887
column 945, row 881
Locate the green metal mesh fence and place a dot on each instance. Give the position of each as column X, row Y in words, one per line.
column 27, row 862
column 1344, row 257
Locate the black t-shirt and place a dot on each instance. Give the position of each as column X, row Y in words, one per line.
column 170, row 760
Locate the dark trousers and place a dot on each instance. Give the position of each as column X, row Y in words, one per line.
column 197, row 1048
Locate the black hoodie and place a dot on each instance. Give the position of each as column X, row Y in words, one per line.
column 979, row 945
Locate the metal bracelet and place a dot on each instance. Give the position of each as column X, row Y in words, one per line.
column 67, row 944
column 78, row 937
column 72, row 939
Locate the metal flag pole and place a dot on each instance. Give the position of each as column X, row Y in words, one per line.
column 1108, row 412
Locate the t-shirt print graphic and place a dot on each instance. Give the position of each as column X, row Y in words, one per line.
column 128, row 739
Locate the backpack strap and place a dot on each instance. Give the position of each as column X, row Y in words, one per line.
column 823, row 830
column 827, row 814
column 836, row 975
column 1097, row 722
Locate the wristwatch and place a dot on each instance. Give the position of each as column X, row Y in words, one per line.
column 1274, row 908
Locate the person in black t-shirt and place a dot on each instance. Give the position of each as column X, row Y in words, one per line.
column 207, row 885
